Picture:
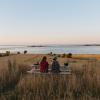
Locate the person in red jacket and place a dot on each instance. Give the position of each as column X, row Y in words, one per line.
column 44, row 65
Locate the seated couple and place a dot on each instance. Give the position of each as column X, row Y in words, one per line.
column 55, row 67
column 44, row 66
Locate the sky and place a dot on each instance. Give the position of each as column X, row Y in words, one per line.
column 49, row 22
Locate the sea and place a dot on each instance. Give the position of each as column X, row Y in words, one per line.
column 56, row 49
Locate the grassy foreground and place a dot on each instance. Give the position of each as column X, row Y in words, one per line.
column 82, row 84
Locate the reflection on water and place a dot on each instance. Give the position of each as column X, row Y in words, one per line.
column 55, row 49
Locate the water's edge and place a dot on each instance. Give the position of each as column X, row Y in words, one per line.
column 58, row 49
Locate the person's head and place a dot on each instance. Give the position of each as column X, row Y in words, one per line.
column 44, row 58
column 55, row 58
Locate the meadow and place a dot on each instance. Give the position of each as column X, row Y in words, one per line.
column 82, row 84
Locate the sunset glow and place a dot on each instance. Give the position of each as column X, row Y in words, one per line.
column 49, row 22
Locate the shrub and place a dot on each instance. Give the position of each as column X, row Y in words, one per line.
column 25, row 52
column 7, row 53
column 63, row 55
column 18, row 52
column 54, row 54
column 0, row 55
column 59, row 55
column 69, row 55
column 50, row 53
column 66, row 64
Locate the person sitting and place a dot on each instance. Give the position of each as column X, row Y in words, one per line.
column 44, row 65
column 55, row 67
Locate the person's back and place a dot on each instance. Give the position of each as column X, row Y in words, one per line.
column 44, row 65
column 55, row 66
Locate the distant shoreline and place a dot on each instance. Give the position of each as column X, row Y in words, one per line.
column 53, row 45
column 38, row 46
column 91, row 45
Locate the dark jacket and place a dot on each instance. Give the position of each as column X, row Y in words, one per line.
column 55, row 67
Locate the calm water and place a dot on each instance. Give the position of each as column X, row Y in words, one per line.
column 55, row 49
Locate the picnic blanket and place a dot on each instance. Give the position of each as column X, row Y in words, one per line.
column 63, row 70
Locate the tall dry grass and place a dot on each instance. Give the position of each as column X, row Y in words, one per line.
column 82, row 84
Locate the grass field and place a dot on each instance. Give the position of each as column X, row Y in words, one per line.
column 82, row 84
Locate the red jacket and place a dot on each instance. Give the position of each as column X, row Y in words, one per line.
column 44, row 67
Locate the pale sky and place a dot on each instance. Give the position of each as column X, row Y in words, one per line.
column 49, row 21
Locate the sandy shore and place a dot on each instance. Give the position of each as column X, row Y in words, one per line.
column 29, row 59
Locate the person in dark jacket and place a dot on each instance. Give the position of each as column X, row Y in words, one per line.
column 55, row 67
column 44, row 65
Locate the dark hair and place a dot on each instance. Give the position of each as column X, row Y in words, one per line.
column 55, row 58
column 44, row 58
